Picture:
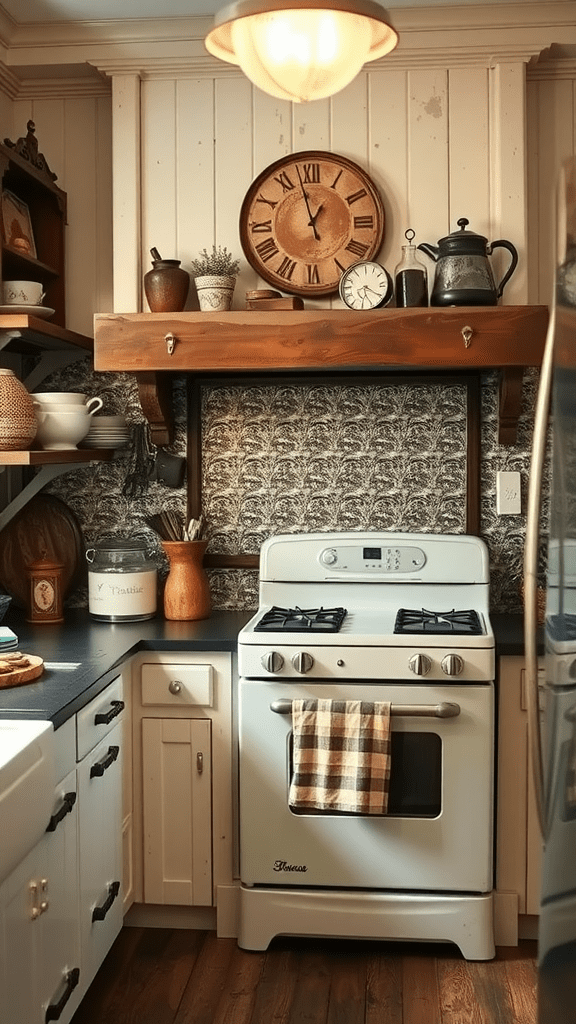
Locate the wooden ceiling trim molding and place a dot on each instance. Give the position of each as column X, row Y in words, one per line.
column 62, row 88
column 482, row 34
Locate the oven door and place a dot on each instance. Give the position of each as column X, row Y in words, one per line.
column 437, row 834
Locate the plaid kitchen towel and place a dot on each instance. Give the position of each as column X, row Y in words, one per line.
column 341, row 756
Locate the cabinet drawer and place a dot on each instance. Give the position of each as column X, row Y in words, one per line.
column 177, row 685
column 97, row 719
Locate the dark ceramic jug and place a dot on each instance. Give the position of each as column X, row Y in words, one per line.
column 166, row 285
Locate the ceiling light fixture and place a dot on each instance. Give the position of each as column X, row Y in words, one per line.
column 301, row 50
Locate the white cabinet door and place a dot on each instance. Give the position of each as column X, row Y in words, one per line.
column 39, row 900
column 177, row 792
column 100, row 850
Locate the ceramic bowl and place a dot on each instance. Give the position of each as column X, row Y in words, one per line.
column 110, row 421
column 48, row 397
column 51, row 400
column 23, row 293
column 62, row 427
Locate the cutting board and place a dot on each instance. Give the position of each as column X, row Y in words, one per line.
column 46, row 524
column 21, row 674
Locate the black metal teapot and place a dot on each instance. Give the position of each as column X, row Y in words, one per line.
column 463, row 273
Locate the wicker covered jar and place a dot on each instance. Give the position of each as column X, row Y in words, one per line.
column 18, row 423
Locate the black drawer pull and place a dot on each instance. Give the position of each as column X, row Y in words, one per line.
column 105, row 717
column 67, row 804
column 54, row 1010
column 100, row 767
column 99, row 913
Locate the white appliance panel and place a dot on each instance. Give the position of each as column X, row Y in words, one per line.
column 370, row 662
column 452, row 852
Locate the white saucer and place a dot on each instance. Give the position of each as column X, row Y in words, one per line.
column 41, row 311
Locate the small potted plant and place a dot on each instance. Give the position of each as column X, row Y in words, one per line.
column 214, row 275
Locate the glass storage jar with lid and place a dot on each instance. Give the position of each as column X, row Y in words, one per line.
column 122, row 581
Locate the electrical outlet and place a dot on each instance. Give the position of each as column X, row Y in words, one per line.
column 508, row 494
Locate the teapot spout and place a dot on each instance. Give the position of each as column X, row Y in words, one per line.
column 431, row 250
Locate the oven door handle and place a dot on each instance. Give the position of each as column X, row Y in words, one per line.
column 446, row 709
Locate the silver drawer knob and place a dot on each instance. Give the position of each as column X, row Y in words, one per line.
column 175, row 686
column 419, row 664
column 452, row 664
column 272, row 661
column 302, row 662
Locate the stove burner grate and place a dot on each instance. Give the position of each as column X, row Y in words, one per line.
column 297, row 620
column 461, row 623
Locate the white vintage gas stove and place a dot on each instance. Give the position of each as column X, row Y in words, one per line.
column 377, row 617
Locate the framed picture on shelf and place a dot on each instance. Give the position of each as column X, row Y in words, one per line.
column 16, row 225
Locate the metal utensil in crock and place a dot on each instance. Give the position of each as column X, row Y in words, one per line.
column 463, row 274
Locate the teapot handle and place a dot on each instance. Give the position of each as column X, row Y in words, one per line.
column 513, row 263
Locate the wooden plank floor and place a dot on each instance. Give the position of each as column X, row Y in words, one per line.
column 165, row 976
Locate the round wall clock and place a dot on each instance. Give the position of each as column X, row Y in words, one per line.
column 306, row 218
column 366, row 285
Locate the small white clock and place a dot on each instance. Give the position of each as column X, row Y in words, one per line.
column 365, row 285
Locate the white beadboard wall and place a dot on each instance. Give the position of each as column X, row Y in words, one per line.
column 425, row 136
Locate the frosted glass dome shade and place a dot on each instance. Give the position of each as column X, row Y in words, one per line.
column 301, row 53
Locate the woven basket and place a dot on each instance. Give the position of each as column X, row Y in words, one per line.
column 18, row 423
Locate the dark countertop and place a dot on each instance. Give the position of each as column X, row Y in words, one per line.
column 82, row 656
column 509, row 633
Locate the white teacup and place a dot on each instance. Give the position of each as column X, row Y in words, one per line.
column 49, row 399
column 23, row 293
column 62, row 426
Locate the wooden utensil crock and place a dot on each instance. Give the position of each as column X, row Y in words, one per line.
column 186, row 592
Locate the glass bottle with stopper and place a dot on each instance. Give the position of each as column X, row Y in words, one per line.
column 410, row 277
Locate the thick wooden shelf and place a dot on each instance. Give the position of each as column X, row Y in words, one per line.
column 507, row 338
column 248, row 341
column 22, row 333
column 72, row 456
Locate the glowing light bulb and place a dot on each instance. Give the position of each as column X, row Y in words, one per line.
column 301, row 54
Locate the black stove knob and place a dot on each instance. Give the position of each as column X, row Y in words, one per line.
column 419, row 664
column 452, row 664
column 272, row 661
column 302, row 662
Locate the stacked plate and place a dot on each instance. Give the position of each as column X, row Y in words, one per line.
column 107, row 432
column 8, row 640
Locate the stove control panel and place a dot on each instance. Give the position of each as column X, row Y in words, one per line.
column 357, row 558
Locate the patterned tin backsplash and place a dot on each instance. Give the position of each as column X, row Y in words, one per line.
column 302, row 458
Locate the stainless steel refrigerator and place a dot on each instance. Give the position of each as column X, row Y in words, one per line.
column 553, row 741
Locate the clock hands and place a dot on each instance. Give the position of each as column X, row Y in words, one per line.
column 312, row 221
column 366, row 288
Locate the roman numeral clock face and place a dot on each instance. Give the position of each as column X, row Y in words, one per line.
column 308, row 217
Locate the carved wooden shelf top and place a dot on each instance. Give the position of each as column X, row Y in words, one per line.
column 464, row 337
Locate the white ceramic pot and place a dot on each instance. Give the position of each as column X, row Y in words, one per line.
column 50, row 398
column 214, row 293
column 62, row 426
